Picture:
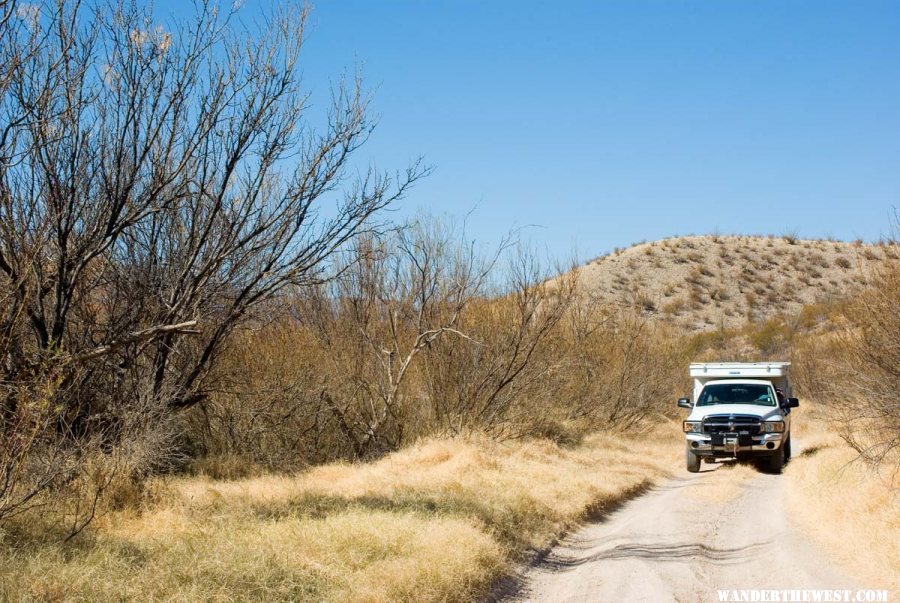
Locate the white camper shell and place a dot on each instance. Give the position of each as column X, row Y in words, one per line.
column 738, row 426
column 774, row 372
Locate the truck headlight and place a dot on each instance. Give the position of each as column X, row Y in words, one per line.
column 773, row 426
column 692, row 426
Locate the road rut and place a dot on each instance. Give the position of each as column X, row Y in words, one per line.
column 678, row 543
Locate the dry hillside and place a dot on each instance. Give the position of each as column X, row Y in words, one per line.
column 703, row 282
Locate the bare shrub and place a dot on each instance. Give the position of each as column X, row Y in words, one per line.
column 674, row 307
column 771, row 338
column 338, row 376
column 32, row 458
column 695, row 277
column 73, row 475
column 855, row 369
column 645, row 302
column 420, row 335
column 628, row 368
column 719, row 294
column 158, row 189
column 503, row 380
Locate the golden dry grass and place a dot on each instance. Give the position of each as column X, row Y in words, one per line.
column 439, row 521
column 849, row 508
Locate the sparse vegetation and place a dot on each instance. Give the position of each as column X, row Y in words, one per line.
column 827, row 486
column 854, row 370
column 227, row 376
column 785, row 276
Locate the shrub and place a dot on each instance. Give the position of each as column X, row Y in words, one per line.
column 646, row 303
column 771, row 337
column 719, row 294
column 695, row 277
column 817, row 259
column 854, row 371
column 674, row 307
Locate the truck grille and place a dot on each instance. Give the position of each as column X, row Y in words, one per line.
column 731, row 424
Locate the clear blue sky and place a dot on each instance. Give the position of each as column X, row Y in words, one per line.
column 603, row 123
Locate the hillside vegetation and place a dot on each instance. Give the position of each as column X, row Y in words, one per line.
column 706, row 282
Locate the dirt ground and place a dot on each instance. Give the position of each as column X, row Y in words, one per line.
column 723, row 528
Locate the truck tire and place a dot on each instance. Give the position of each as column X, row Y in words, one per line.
column 776, row 461
column 787, row 450
column 692, row 461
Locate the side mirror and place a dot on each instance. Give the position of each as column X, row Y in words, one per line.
column 685, row 403
column 792, row 403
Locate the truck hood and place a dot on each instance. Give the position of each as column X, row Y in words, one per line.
column 763, row 412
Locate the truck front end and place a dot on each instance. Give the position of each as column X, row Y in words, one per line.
column 738, row 418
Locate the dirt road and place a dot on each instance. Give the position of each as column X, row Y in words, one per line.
column 724, row 528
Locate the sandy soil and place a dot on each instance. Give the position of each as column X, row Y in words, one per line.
column 679, row 543
column 704, row 282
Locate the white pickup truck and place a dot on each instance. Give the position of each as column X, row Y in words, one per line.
column 739, row 410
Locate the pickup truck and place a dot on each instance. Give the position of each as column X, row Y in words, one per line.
column 739, row 410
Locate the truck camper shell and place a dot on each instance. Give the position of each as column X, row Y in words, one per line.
column 774, row 372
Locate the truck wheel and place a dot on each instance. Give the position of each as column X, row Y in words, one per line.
column 787, row 450
column 776, row 461
column 692, row 460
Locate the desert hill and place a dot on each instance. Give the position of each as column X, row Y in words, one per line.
column 704, row 282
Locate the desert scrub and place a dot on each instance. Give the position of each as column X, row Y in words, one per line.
column 828, row 486
column 439, row 521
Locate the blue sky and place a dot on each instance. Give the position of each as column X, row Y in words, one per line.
column 604, row 123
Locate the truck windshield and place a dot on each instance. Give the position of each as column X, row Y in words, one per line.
column 736, row 393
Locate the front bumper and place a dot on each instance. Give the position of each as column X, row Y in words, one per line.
column 760, row 445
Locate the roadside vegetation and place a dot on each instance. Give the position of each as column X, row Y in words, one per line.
column 848, row 506
column 849, row 474
column 227, row 375
column 437, row 521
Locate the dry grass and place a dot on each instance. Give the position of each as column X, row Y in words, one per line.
column 439, row 521
column 852, row 510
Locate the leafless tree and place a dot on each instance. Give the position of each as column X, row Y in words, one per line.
column 151, row 177
column 159, row 184
column 405, row 292
column 504, row 386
